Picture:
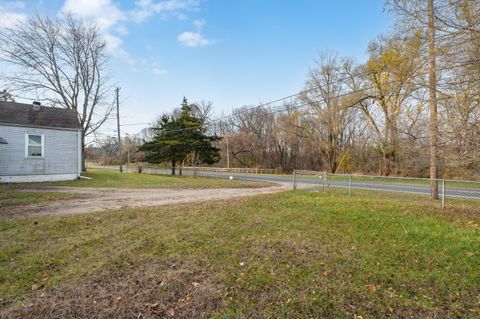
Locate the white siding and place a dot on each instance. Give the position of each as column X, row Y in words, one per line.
column 61, row 152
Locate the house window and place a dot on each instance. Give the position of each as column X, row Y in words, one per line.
column 34, row 145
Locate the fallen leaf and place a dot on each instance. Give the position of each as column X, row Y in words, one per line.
column 152, row 306
column 171, row 312
column 372, row 288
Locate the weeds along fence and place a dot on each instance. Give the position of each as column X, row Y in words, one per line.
column 189, row 170
column 206, row 171
column 447, row 192
column 231, row 170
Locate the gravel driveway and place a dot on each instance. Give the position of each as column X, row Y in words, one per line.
column 87, row 200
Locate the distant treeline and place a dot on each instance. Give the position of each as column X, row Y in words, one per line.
column 374, row 117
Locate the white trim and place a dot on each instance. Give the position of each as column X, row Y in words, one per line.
column 41, row 127
column 37, row 178
column 42, row 141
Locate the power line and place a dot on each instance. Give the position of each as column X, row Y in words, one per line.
column 245, row 110
column 297, row 94
column 278, row 110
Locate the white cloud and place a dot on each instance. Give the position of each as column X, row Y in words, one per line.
column 122, row 30
column 9, row 17
column 107, row 16
column 13, row 5
column 158, row 71
column 103, row 12
column 111, row 19
column 199, row 23
column 114, row 46
column 181, row 16
column 194, row 39
column 147, row 8
column 106, row 13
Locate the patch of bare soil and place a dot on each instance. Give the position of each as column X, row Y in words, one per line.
column 101, row 199
column 173, row 290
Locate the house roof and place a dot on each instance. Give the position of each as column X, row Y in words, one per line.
column 26, row 115
column 3, row 141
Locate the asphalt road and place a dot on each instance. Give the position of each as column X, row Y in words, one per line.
column 452, row 189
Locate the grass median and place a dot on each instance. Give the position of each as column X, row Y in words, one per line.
column 115, row 179
column 286, row 255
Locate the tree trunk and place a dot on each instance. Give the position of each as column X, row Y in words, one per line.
column 173, row 167
column 84, row 166
column 432, row 88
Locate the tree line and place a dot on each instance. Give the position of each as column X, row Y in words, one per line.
column 411, row 109
column 412, row 98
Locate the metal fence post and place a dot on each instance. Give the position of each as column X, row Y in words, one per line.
column 294, row 180
column 349, row 185
column 443, row 193
column 324, row 181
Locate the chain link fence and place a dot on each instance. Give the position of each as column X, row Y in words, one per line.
column 444, row 192
column 237, row 170
column 304, row 179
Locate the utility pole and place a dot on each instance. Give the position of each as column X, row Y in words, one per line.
column 128, row 149
column 117, row 91
column 432, row 89
column 228, row 154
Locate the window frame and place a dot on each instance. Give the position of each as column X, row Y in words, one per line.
column 42, row 141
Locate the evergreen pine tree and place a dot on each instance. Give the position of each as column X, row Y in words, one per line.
column 182, row 137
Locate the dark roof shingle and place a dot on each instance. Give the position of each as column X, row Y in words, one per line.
column 25, row 115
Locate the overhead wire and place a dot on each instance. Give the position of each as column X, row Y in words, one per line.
column 287, row 107
column 284, row 108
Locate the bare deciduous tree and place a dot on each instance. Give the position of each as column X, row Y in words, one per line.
column 331, row 125
column 64, row 61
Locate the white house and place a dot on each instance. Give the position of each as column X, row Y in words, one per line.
column 39, row 143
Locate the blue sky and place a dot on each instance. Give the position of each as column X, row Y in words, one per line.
column 230, row 52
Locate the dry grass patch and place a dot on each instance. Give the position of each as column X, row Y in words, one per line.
column 143, row 290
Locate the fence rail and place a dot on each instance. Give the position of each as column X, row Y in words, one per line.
column 447, row 192
column 231, row 170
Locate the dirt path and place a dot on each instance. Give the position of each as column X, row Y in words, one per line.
column 100, row 199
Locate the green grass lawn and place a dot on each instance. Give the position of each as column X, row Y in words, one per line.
column 109, row 178
column 286, row 255
column 13, row 196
